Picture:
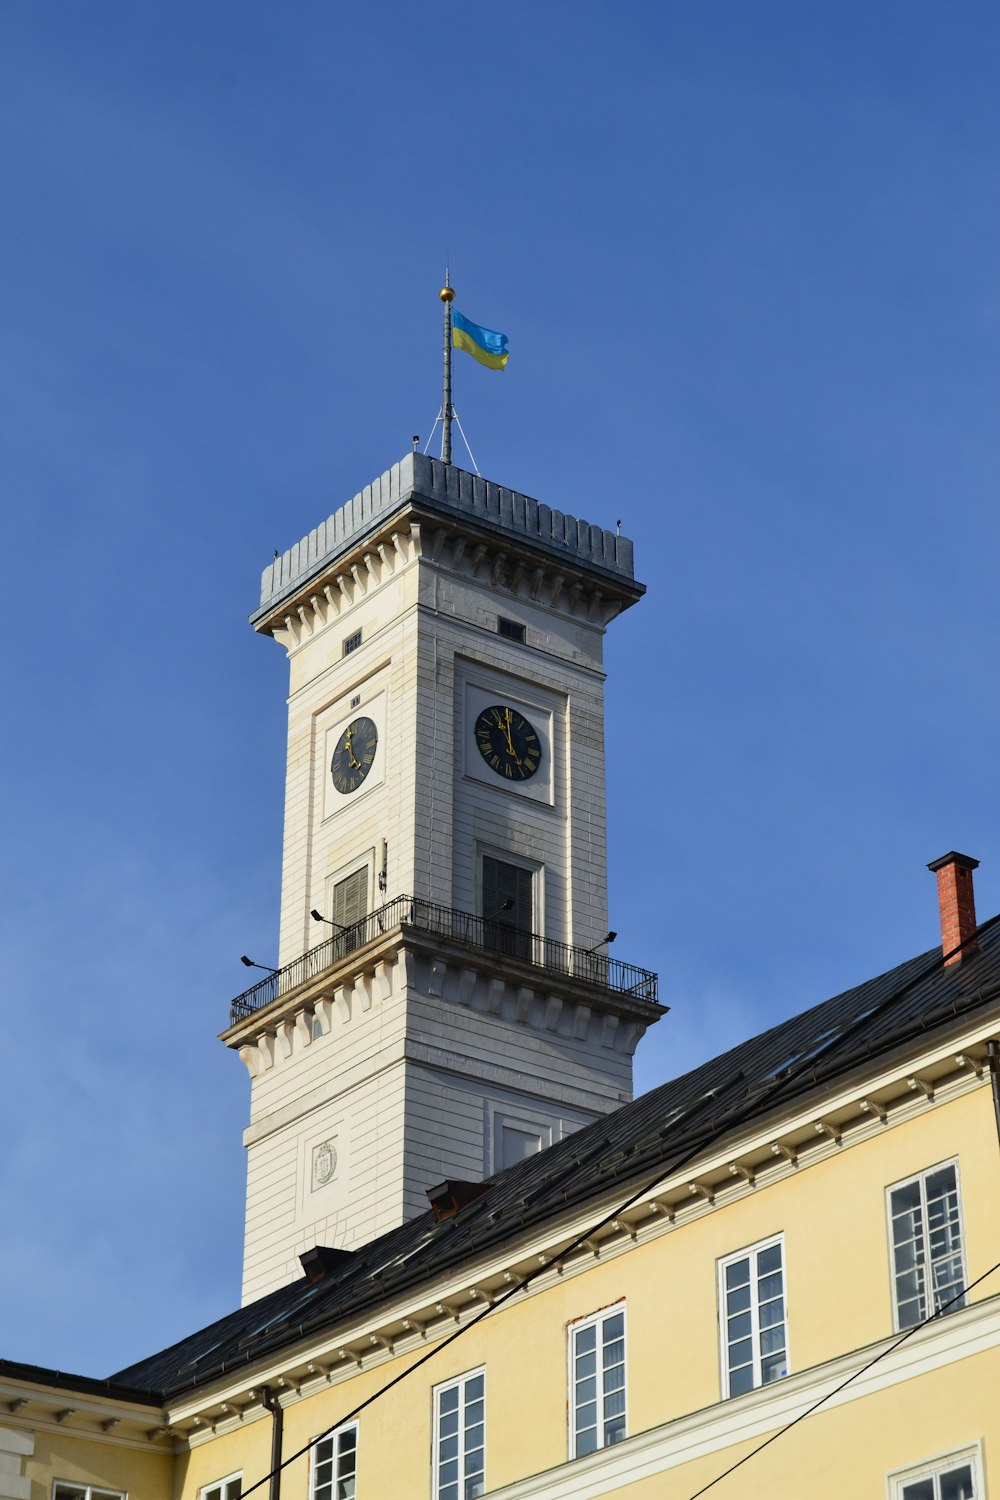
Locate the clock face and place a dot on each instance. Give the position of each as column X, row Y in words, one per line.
column 508, row 743
column 353, row 755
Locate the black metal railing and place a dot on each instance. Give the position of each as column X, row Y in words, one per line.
column 484, row 933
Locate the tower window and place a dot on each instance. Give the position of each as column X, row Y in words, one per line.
column 352, row 642
column 350, row 898
column 507, row 907
column 509, row 628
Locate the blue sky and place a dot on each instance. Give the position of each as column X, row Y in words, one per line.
column 746, row 255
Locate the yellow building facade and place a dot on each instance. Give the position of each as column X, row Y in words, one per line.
column 775, row 1275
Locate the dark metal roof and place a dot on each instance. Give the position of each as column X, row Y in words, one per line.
column 84, row 1385
column 820, row 1047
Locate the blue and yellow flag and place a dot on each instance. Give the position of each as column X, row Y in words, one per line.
column 482, row 343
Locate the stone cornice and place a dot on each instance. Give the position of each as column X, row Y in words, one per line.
column 410, row 960
column 506, row 523
column 42, row 1406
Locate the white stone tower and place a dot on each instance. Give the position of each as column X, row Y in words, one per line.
column 445, row 810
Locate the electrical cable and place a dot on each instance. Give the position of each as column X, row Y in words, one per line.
column 646, row 1187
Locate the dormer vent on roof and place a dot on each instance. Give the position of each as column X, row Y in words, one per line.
column 448, row 1197
column 958, row 905
column 322, row 1261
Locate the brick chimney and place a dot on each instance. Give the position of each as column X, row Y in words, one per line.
column 958, row 905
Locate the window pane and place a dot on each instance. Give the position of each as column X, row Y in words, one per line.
column 772, row 1312
column 741, row 1353
column 769, row 1260
column 957, row 1484
column 586, row 1339
column 614, row 1353
column 738, row 1274
column 614, row 1404
column 739, row 1328
column 741, row 1380
column 474, row 1388
column 920, row 1489
column 772, row 1339
column 586, row 1415
column 739, row 1299
column 614, row 1327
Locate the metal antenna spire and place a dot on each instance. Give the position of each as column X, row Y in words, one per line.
column 447, row 410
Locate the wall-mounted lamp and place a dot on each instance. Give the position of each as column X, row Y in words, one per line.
column 318, row 916
column 383, row 874
column 251, row 965
column 508, row 904
column 609, row 939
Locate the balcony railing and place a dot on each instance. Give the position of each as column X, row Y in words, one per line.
column 486, row 934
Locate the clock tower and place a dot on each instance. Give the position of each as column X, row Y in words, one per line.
column 446, row 1002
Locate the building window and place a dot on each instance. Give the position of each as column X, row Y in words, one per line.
column 335, row 1466
column 752, row 1317
column 956, row 1477
column 223, row 1489
column 459, row 1438
column 925, row 1231
column 352, row 642
column 350, row 898
column 63, row 1490
column 507, row 907
column 510, row 628
column 597, row 1382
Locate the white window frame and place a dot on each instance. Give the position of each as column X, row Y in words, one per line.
column 458, row 1383
column 220, row 1485
column 103, row 1491
column 314, row 1458
column 893, row 1187
column 577, row 1326
column 722, row 1265
column 935, row 1468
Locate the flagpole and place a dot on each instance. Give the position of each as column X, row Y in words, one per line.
column 447, row 297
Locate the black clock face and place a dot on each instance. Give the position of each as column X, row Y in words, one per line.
column 508, row 743
column 354, row 754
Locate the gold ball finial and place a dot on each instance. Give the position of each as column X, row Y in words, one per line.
column 447, row 294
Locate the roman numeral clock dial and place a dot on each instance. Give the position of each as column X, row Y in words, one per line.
column 508, row 742
column 354, row 755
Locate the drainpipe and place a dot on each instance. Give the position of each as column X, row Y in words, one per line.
column 273, row 1405
column 993, row 1055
